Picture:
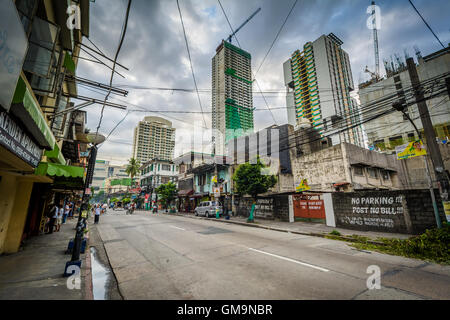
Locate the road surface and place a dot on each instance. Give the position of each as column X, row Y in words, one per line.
column 159, row 256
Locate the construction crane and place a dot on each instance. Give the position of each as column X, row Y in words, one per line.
column 240, row 27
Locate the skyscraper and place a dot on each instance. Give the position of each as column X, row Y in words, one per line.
column 318, row 81
column 232, row 99
column 154, row 137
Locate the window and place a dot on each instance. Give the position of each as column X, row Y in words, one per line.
column 385, row 175
column 373, row 173
column 166, row 167
column 26, row 9
column 358, row 170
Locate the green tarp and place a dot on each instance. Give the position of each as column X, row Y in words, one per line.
column 55, row 155
column 59, row 170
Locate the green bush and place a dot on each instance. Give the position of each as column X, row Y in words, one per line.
column 432, row 245
column 335, row 233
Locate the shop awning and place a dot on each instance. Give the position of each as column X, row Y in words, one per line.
column 55, row 155
column 184, row 193
column 59, row 170
column 25, row 107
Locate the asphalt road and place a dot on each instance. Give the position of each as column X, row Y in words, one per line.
column 158, row 256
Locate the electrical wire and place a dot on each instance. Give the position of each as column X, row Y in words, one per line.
column 124, row 30
column 190, row 61
column 423, row 19
column 276, row 37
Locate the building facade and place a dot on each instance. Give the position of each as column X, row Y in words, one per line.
column 154, row 138
column 232, row 97
column 393, row 129
column 157, row 172
column 40, row 145
column 318, row 82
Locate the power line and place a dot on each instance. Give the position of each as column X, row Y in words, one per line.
column 276, row 37
column 190, row 61
column 426, row 23
column 124, row 30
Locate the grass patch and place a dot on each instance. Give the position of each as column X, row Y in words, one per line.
column 433, row 245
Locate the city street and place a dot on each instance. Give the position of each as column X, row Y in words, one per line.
column 160, row 256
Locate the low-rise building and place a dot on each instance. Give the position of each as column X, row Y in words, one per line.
column 156, row 172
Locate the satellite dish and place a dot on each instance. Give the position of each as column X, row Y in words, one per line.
column 91, row 138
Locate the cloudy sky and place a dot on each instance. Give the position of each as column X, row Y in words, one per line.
column 155, row 53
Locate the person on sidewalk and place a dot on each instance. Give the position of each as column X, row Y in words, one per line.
column 53, row 215
column 97, row 213
column 66, row 212
column 59, row 216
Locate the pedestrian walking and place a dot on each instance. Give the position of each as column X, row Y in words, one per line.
column 155, row 207
column 66, row 212
column 97, row 213
column 59, row 216
column 53, row 214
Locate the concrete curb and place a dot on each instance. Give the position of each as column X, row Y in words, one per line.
column 88, row 288
column 313, row 234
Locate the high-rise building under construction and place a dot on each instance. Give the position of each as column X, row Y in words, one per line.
column 232, row 98
column 318, row 81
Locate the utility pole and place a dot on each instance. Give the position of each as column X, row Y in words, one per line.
column 401, row 107
column 430, row 135
column 82, row 216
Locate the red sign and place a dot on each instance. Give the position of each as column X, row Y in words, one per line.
column 136, row 190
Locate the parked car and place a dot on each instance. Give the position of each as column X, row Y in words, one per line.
column 208, row 209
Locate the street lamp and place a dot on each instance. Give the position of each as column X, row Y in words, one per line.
column 401, row 107
column 75, row 261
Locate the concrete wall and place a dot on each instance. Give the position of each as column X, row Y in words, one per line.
column 272, row 207
column 405, row 211
column 321, row 168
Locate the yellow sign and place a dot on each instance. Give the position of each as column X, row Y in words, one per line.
column 214, row 179
column 412, row 149
column 84, row 214
column 303, row 186
column 447, row 210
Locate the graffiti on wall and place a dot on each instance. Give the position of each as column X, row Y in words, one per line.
column 374, row 211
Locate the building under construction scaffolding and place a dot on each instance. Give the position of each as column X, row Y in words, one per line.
column 232, row 98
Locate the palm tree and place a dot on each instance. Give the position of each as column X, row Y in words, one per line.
column 133, row 168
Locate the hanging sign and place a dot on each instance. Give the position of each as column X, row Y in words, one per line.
column 303, row 186
column 410, row 150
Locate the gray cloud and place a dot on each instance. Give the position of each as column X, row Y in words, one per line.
column 155, row 52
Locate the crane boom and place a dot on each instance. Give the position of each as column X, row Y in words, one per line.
column 245, row 22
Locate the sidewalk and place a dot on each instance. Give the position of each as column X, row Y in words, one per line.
column 305, row 228
column 36, row 272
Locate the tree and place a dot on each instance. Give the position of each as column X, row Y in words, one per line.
column 167, row 193
column 249, row 180
column 132, row 168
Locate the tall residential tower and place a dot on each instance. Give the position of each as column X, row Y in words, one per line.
column 232, row 99
column 154, row 137
column 318, row 81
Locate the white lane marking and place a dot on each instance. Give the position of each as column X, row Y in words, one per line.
column 178, row 228
column 291, row 260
